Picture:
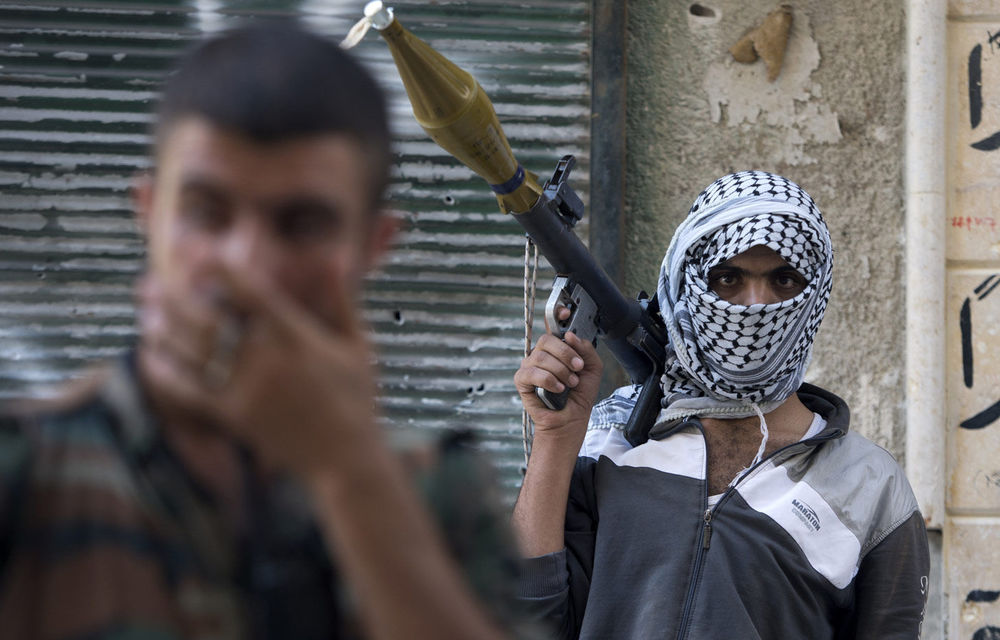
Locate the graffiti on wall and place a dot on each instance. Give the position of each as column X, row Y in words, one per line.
column 976, row 598
column 975, row 70
column 971, row 588
column 974, row 215
column 990, row 414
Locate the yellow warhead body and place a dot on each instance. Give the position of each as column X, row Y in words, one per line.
column 456, row 113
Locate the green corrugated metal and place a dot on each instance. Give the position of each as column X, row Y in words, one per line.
column 77, row 83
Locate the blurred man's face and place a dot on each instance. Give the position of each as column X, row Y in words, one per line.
column 299, row 211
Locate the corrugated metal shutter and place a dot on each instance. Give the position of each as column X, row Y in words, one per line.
column 77, row 82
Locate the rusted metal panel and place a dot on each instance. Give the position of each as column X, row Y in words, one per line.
column 78, row 82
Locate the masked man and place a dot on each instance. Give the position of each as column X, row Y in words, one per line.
column 752, row 511
column 200, row 488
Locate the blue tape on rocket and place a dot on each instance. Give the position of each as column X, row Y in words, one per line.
column 511, row 185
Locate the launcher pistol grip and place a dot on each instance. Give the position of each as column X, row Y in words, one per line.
column 582, row 321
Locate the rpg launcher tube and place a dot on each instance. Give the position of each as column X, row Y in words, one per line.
column 454, row 110
column 629, row 331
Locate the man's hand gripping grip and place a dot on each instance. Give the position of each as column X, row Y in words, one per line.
column 582, row 321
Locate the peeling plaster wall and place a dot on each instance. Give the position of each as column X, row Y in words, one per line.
column 832, row 121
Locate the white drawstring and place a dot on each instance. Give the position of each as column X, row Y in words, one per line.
column 760, row 450
column 763, row 435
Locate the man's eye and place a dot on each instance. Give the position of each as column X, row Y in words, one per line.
column 303, row 226
column 306, row 223
column 723, row 282
column 203, row 213
column 790, row 281
column 722, row 279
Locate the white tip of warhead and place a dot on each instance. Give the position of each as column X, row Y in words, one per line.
column 379, row 14
column 376, row 15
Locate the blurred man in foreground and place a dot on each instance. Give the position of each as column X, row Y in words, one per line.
column 199, row 488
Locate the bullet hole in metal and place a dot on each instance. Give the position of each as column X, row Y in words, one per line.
column 701, row 11
column 397, row 316
column 449, row 200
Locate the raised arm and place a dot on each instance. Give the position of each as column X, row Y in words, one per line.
column 540, row 512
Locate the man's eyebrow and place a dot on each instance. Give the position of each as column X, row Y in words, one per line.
column 787, row 267
column 729, row 267
column 199, row 185
column 305, row 203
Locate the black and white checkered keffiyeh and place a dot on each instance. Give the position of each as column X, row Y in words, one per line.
column 724, row 359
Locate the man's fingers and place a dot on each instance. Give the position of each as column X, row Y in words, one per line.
column 191, row 320
column 527, row 381
column 180, row 350
column 590, row 375
column 177, row 381
column 261, row 298
column 585, row 351
column 256, row 297
column 545, row 361
column 561, row 350
column 528, row 378
column 161, row 332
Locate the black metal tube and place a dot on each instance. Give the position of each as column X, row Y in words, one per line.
column 647, row 407
column 618, row 316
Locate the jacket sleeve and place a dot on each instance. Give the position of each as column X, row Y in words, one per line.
column 464, row 496
column 891, row 586
column 554, row 587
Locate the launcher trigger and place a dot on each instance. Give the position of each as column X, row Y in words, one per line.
column 582, row 321
column 583, row 311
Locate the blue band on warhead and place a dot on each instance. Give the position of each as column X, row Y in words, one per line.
column 511, row 185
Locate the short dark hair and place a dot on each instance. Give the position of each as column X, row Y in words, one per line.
column 275, row 80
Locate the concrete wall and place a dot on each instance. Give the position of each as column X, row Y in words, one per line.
column 972, row 497
column 835, row 122
column 832, row 121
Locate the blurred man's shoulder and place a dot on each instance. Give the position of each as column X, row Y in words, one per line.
column 64, row 399
column 49, row 438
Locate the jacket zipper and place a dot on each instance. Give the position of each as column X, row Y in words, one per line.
column 706, row 535
column 706, row 531
column 704, row 542
column 701, row 548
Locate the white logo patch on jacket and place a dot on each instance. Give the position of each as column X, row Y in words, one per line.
column 830, row 546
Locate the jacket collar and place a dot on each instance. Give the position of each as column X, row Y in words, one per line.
column 829, row 406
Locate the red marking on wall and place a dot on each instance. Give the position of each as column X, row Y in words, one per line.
column 975, row 223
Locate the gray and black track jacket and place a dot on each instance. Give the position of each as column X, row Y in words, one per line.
column 821, row 540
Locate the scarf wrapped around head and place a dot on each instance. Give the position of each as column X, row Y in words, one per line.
column 724, row 359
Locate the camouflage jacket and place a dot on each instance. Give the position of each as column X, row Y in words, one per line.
column 104, row 534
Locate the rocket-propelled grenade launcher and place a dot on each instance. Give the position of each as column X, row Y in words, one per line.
column 455, row 111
